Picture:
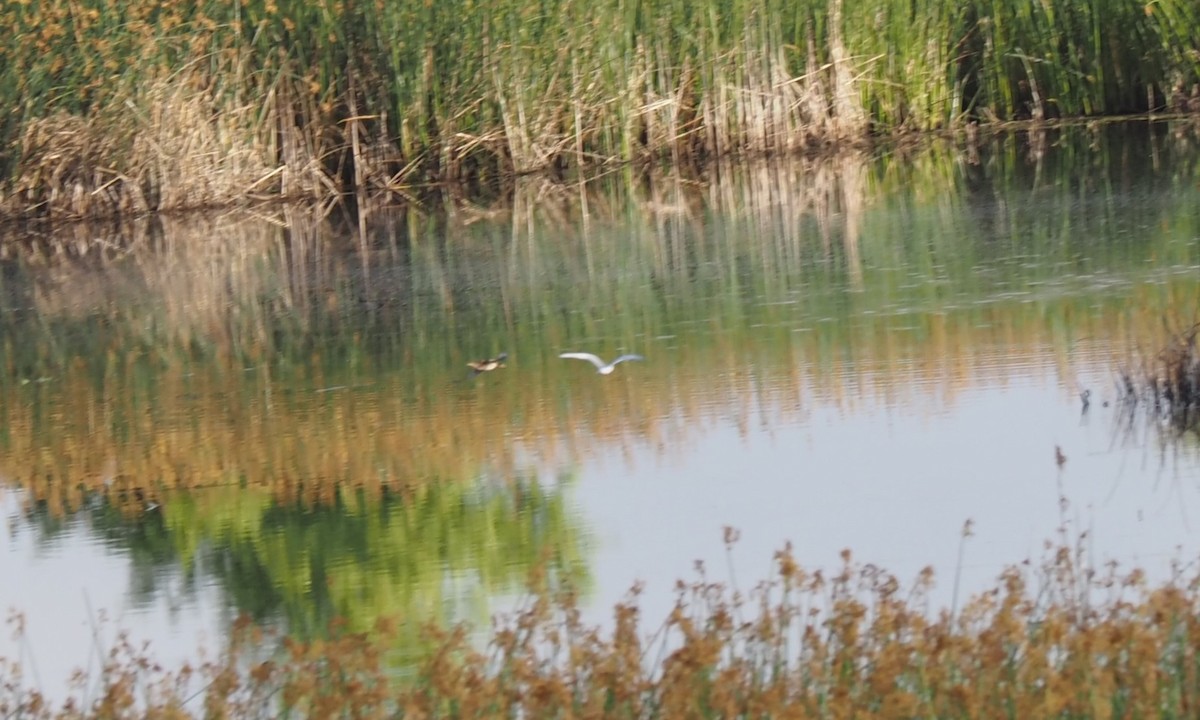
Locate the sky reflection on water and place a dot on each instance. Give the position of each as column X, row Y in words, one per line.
column 895, row 484
column 892, row 481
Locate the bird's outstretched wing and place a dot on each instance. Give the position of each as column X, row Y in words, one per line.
column 623, row 358
column 583, row 356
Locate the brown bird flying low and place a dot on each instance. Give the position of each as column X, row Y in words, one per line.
column 482, row 366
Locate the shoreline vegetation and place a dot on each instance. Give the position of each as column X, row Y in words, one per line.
column 132, row 107
column 1063, row 637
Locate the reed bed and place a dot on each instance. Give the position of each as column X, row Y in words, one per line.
column 1052, row 639
column 133, row 106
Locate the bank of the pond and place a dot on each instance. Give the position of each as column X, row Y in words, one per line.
column 136, row 106
column 1062, row 638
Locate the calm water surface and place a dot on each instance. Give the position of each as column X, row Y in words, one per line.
column 227, row 415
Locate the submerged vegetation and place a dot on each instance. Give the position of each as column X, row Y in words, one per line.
column 134, row 106
column 1061, row 639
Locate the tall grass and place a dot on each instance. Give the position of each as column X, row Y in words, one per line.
column 136, row 105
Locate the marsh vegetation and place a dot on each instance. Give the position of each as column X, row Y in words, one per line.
column 1063, row 638
column 136, row 106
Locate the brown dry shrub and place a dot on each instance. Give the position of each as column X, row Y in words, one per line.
column 67, row 168
column 176, row 142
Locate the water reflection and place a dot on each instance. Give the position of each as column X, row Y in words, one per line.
column 437, row 554
column 862, row 353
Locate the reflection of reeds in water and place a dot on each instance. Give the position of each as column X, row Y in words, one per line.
column 273, row 354
column 1163, row 383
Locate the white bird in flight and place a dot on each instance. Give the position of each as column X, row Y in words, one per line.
column 601, row 366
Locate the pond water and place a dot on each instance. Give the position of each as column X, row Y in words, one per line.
column 271, row 414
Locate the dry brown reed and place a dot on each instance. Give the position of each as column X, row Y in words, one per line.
column 1058, row 638
column 171, row 143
